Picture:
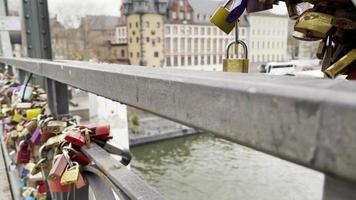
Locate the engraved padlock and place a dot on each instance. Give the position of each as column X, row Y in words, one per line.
column 314, row 24
column 220, row 16
column 236, row 64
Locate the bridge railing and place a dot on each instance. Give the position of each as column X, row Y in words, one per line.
column 306, row 121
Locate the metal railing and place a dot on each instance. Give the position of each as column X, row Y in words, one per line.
column 306, row 121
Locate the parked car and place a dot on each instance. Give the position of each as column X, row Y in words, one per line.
column 280, row 68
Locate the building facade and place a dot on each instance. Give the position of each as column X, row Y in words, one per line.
column 189, row 40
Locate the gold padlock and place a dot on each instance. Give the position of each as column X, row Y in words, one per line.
column 341, row 66
column 220, row 16
column 55, row 126
column 33, row 113
column 238, row 64
column 314, row 24
column 70, row 175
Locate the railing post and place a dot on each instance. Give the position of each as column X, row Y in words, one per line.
column 38, row 40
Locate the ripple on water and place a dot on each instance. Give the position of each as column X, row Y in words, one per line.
column 206, row 167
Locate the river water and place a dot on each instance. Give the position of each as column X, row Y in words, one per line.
column 210, row 168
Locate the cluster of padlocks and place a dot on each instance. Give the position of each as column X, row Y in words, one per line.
column 46, row 149
column 332, row 22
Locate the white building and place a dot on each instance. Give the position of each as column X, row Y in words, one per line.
column 197, row 44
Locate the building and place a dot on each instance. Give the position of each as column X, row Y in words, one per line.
column 94, row 39
column 187, row 39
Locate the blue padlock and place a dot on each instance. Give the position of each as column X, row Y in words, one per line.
column 26, row 93
column 236, row 12
column 30, row 198
column 22, row 184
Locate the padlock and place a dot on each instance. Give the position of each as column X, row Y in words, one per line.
column 26, row 93
column 56, row 186
column 238, row 64
column 71, row 174
column 36, row 137
column 102, row 131
column 16, row 118
column 24, row 154
column 81, row 182
column 56, row 127
column 314, row 24
column 39, row 166
column 59, row 166
column 23, row 105
column 321, row 49
column 220, row 16
column 33, row 113
column 236, row 12
column 41, row 188
column 75, row 138
column 342, row 66
column 77, row 156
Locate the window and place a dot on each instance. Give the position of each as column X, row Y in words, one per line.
column 182, row 45
column 130, row 25
column 138, row 54
column 158, row 25
column 195, row 60
column 147, row 24
column 137, row 40
column 188, row 16
column 182, row 61
column 196, row 45
column 196, row 30
column 202, row 45
column 208, row 60
column 175, row 61
column 168, row 44
column 169, row 61
column 147, row 39
column 158, row 40
column 190, row 45
column 181, row 15
column 208, row 30
column 136, row 24
column 202, row 61
column 156, row 54
column 175, row 29
column 175, row 44
column 202, row 30
column 189, row 60
column 174, row 15
column 214, row 60
column 167, row 30
column 208, row 45
column 130, row 40
column 153, row 42
column 131, row 54
column 122, row 53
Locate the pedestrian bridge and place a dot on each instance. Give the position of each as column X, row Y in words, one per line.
column 307, row 121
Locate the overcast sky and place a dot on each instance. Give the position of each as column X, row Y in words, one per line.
column 70, row 11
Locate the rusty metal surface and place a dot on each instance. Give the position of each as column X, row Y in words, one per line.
column 306, row 121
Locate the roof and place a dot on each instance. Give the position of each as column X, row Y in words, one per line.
column 102, row 22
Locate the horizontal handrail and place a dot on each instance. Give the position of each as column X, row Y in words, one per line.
column 306, row 121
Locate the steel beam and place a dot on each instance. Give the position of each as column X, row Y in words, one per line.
column 307, row 121
column 38, row 40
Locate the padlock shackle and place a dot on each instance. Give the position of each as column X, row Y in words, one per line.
column 227, row 3
column 238, row 42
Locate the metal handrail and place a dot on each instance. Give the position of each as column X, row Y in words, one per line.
column 303, row 120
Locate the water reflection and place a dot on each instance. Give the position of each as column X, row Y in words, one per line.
column 206, row 167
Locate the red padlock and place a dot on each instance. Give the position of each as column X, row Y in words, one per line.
column 81, row 182
column 56, row 186
column 75, row 138
column 80, row 157
column 24, row 154
column 102, row 131
column 59, row 166
column 41, row 188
